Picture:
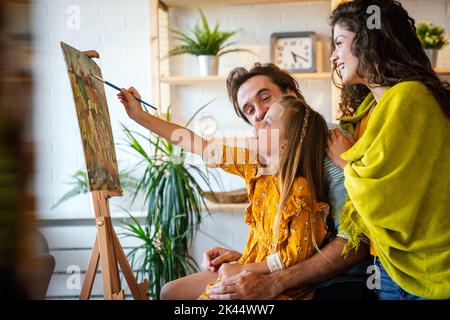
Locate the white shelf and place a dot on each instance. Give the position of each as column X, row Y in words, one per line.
column 180, row 80
column 203, row 3
column 227, row 207
column 442, row 71
column 76, row 218
column 192, row 80
column 222, row 79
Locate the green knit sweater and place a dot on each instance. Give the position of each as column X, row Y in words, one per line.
column 398, row 182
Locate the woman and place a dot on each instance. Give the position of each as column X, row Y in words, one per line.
column 397, row 173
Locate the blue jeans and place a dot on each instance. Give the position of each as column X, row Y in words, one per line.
column 389, row 290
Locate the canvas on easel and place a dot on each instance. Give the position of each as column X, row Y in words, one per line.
column 103, row 176
column 93, row 118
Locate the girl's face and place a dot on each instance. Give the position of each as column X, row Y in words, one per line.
column 342, row 56
column 270, row 132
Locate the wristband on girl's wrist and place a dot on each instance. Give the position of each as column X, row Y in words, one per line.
column 274, row 262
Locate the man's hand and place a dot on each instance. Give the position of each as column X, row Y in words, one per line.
column 132, row 106
column 318, row 268
column 213, row 258
column 337, row 144
column 245, row 286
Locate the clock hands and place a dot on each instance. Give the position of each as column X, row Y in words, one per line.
column 295, row 56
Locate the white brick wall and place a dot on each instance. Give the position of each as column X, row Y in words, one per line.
column 120, row 31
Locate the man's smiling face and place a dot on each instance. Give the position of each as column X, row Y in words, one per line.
column 256, row 96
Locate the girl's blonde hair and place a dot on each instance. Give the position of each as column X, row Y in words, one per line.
column 306, row 132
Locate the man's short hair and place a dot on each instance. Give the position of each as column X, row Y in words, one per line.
column 280, row 78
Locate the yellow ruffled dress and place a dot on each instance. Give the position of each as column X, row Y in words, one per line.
column 295, row 242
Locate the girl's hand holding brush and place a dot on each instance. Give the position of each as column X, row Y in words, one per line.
column 132, row 106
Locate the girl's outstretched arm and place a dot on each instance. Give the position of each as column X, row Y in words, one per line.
column 178, row 135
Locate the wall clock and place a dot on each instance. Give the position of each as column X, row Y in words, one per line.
column 294, row 51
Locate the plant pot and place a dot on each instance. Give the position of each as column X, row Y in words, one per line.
column 208, row 65
column 432, row 55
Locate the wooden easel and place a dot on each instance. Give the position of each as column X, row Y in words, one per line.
column 107, row 248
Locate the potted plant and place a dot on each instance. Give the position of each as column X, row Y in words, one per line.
column 173, row 199
column 432, row 38
column 207, row 43
column 80, row 185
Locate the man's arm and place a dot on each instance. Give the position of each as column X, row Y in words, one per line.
column 321, row 267
column 318, row 268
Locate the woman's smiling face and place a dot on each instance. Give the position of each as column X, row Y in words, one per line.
column 342, row 56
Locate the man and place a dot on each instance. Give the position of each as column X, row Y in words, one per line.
column 252, row 93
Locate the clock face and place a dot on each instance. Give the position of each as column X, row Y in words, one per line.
column 294, row 53
column 207, row 125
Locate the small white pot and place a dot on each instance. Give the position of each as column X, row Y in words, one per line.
column 208, row 65
column 432, row 55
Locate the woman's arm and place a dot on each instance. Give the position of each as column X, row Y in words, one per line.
column 176, row 134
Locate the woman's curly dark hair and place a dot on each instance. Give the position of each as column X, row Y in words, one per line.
column 388, row 55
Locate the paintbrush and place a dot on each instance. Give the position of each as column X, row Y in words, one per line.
column 117, row 88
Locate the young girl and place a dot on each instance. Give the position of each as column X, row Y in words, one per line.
column 287, row 212
column 397, row 174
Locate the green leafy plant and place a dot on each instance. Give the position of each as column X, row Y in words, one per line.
column 79, row 183
column 173, row 199
column 205, row 40
column 431, row 36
